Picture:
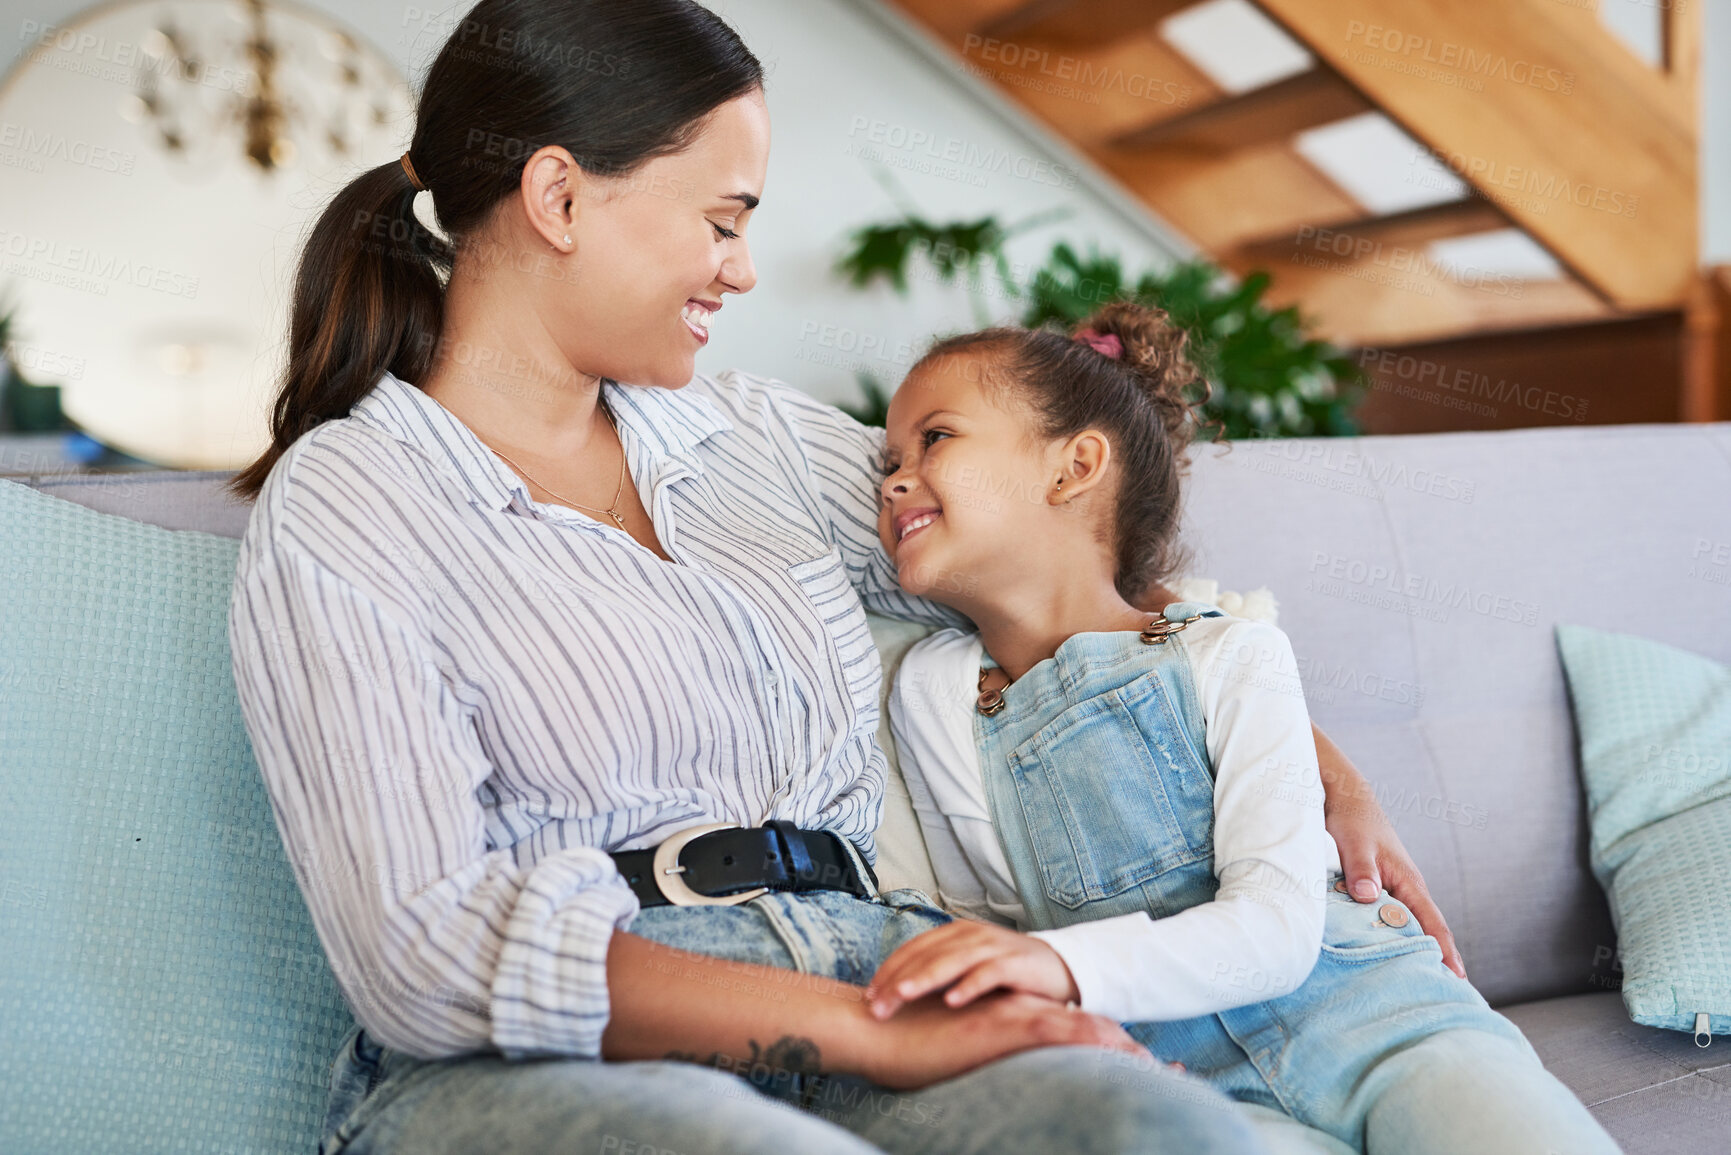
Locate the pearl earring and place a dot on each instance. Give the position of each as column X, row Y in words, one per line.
column 567, row 238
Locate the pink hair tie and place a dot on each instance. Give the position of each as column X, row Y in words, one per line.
column 1107, row 343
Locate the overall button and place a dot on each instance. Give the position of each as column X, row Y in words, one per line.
column 1392, row 915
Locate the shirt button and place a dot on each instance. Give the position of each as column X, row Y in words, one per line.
column 1392, row 915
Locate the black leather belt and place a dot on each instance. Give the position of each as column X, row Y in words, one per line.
column 722, row 864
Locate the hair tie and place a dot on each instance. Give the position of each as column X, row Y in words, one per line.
column 409, row 168
column 1107, row 343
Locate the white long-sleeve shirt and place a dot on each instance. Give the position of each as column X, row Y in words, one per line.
column 1258, row 938
column 460, row 698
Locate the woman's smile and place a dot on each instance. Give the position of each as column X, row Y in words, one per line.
column 698, row 316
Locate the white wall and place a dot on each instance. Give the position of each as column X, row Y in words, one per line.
column 841, row 72
column 1716, row 133
column 844, row 72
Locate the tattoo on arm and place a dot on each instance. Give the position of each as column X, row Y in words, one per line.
column 786, row 1057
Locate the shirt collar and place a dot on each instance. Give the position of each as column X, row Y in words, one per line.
column 667, row 425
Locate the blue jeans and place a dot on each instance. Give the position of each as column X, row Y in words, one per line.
column 1384, row 1049
column 1052, row 1099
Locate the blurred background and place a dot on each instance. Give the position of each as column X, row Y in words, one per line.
column 1385, row 216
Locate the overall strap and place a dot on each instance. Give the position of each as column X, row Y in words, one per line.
column 1181, row 614
column 1181, row 679
column 1009, row 822
column 1178, row 674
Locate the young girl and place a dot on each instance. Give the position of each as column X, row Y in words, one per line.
column 1140, row 795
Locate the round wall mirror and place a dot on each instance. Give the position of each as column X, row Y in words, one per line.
column 162, row 163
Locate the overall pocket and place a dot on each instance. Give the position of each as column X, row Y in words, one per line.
column 1113, row 794
column 1357, row 932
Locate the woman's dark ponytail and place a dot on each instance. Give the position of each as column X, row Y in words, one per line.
column 616, row 82
column 367, row 297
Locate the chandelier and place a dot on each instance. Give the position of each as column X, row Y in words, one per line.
column 284, row 91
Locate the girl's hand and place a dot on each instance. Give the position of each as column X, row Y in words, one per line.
column 976, row 957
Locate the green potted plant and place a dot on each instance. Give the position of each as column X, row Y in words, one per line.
column 1270, row 377
column 25, row 407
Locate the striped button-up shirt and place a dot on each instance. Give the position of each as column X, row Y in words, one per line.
column 461, row 698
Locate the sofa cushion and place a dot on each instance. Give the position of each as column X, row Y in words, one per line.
column 1655, row 1091
column 1655, row 729
column 161, row 986
column 1419, row 580
column 171, row 499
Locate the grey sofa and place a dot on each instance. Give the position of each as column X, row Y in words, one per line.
column 1419, row 579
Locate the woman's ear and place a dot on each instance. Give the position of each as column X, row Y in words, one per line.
column 551, row 191
column 1081, row 465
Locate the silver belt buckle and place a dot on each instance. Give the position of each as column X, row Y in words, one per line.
column 667, row 871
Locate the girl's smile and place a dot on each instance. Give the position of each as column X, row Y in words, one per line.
column 914, row 520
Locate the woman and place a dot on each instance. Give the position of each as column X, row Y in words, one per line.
column 495, row 612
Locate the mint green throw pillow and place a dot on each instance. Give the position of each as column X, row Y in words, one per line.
column 161, row 986
column 1655, row 730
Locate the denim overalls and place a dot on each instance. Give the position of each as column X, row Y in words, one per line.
column 1103, row 798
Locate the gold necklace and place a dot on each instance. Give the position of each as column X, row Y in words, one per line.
column 613, row 510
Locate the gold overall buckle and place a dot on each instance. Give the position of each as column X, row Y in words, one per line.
column 1162, row 627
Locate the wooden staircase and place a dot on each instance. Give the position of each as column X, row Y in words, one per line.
column 1555, row 127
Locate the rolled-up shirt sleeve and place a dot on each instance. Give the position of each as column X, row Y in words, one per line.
column 843, row 458
column 442, row 944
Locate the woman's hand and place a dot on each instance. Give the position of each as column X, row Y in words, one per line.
column 1371, row 854
column 970, row 958
column 668, row 1003
column 928, row 1041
